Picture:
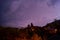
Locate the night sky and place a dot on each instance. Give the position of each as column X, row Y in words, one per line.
column 23, row 12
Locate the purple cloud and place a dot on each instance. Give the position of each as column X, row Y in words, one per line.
column 53, row 2
column 23, row 12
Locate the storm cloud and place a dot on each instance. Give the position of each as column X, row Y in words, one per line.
column 23, row 12
column 53, row 2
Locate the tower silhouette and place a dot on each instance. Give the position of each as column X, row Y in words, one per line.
column 31, row 24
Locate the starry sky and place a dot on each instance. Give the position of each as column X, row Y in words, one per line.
column 23, row 12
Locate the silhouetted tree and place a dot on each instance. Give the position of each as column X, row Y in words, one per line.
column 28, row 25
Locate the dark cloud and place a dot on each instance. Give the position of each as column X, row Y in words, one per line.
column 52, row 2
column 4, row 7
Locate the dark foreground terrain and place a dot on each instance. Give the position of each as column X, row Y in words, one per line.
column 51, row 31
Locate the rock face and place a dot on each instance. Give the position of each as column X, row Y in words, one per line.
column 36, row 37
column 30, row 33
